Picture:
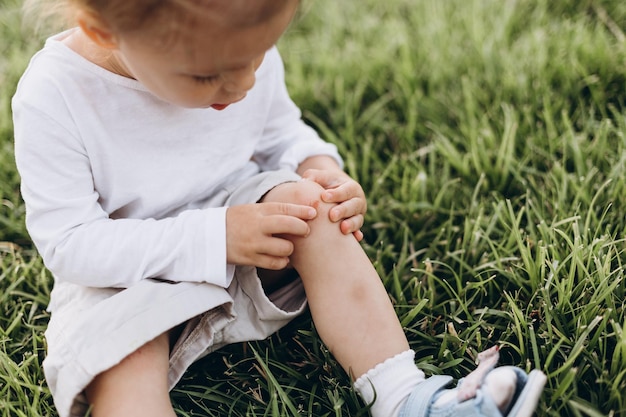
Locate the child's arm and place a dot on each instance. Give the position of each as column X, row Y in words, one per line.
column 288, row 143
column 81, row 242
column 340, row 189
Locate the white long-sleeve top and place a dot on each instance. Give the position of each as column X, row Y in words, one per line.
column 114, row 179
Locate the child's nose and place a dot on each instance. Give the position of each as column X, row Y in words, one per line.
column 240, row 80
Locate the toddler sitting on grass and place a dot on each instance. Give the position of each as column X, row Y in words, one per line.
column 182, row 204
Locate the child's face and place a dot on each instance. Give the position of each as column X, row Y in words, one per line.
column 212, row 65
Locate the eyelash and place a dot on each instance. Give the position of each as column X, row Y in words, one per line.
column 205, row 80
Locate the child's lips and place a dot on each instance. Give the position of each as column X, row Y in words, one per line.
column 221, row 106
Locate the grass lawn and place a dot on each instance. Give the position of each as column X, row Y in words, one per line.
column 490, row 137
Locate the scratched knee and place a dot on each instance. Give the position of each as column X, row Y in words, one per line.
column 306, row 193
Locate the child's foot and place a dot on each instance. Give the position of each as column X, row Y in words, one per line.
column 486, row 392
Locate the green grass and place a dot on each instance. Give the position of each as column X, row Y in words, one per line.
column 490, row 137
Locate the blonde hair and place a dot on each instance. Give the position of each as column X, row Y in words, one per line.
column 125, row 16
column 47, row 16
column 120, row 15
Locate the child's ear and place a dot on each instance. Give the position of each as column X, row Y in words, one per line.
column 96, row 29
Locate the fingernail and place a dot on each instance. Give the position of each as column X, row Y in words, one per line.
column 312, row 212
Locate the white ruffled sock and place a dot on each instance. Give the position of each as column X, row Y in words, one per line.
column 390, row 383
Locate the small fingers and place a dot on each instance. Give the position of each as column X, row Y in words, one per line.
column 350, row 197
column 285, row 225
column 296, row 210
column 274, row 263
column 274, row 253
column 325, row 178
column 352, row 224
column 278, row 247
column 286, row 218
column 342, row 193
column 347, row 209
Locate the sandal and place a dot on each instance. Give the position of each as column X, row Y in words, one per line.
column 470, row 399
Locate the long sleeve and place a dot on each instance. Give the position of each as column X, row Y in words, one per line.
column 81, row 243
column 287, row 140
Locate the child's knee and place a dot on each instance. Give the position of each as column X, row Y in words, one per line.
column 308, row 193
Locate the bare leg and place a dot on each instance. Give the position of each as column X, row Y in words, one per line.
column 137, row 386
column 352, row 311
column 350, row 306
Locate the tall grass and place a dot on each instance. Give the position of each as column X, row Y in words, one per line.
column 490, row 137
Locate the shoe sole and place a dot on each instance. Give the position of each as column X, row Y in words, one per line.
column 528, row 398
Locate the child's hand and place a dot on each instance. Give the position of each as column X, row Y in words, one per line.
column 347, row 193
column 253, row 233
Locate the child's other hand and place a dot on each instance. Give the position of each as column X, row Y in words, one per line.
column 253, row 233
column 347, row 193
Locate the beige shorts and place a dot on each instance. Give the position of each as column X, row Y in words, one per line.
column 93, row 329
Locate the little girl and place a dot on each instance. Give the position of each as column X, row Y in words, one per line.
column 181, row 204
